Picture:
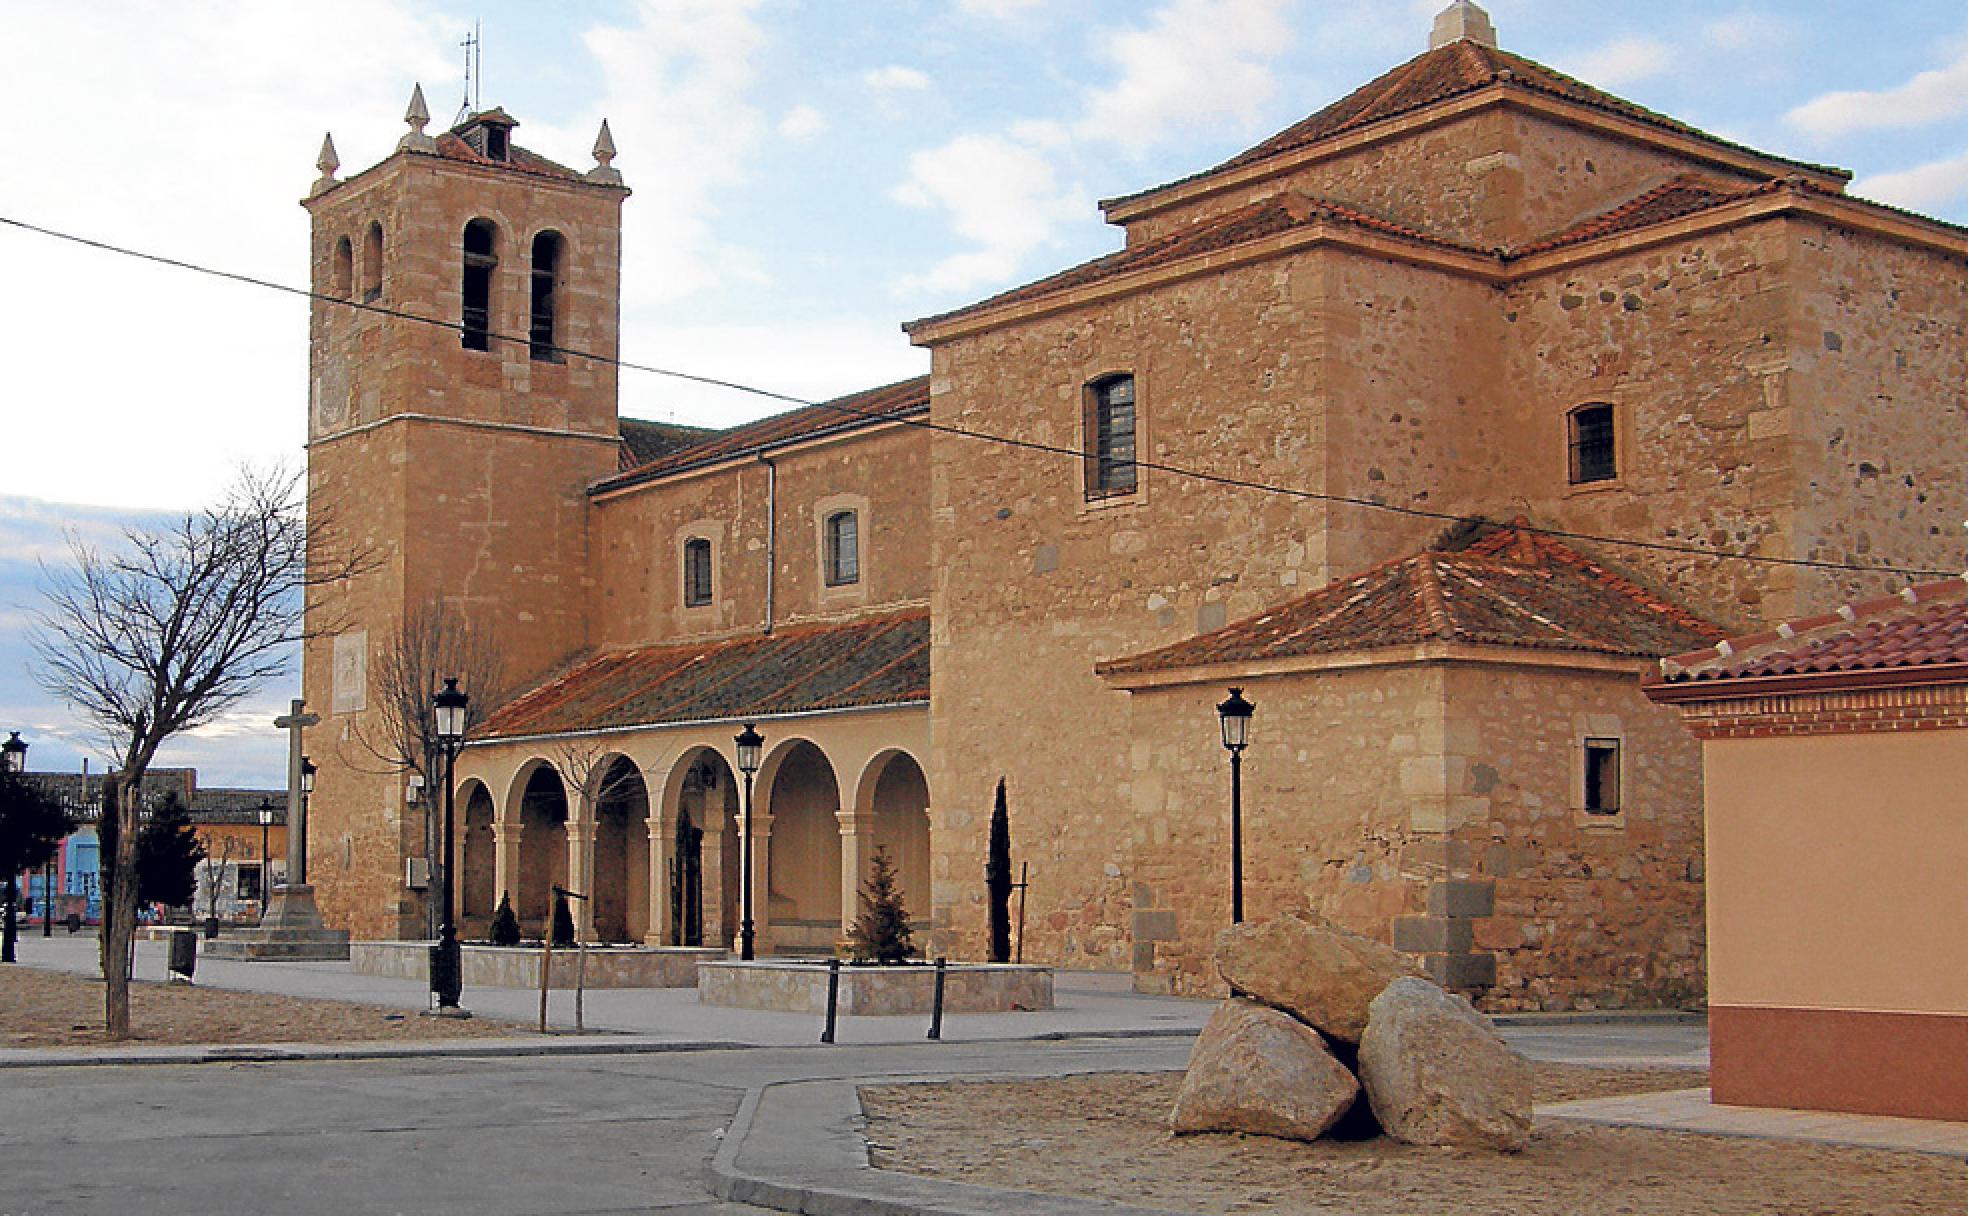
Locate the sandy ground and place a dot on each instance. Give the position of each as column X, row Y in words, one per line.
column 1105, row 1136
column 56, row 1009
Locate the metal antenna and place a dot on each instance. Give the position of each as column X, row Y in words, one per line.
column 469, row 105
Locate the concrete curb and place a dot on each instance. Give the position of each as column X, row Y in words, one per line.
column 597, row 1044
column 816, row 1162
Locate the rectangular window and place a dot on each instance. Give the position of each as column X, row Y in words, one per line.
column 843, row 549
column 249, row 882
column 1110, row 430
column 1602, row 776
column 1593, row 448
column 696, row 572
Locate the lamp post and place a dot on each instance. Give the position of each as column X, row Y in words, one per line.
column 1235, row 714
column 13, row 757
column 266, row 858
column 749, row 742
column 446, row 965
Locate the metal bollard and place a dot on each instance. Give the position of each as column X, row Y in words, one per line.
column 833, row 997
column 936, row 1003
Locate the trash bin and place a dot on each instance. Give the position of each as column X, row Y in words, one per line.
column 184, row 952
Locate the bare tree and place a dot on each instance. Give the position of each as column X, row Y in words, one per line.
column 427, row 647
column 578, row 761
column 217, row 870
column 165, row 633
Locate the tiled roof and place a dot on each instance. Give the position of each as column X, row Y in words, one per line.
column 451, row 147
column 1252, row 222
column 1923, row 626
column 643, row 441
column 82, row 796
column 1493, row 586
column 1683, row 196
column 859, row 664
column 891, row 401
column 1439, row 75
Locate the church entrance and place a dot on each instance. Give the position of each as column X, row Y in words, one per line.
column 687, row 884
column 701, row 878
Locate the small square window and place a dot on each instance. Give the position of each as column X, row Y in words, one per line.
column 1602, row 776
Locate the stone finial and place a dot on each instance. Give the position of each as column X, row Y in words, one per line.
column 1459, row 22
column 604, row 154
column 417, row 116
column 327, row 162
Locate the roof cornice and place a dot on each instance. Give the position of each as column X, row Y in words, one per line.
column 1421, row 654
column 1736, row 688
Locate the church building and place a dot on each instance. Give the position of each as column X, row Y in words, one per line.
column 1430, row 423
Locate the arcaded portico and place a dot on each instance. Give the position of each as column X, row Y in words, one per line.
column 647, row 820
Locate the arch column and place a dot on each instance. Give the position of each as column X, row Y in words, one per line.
column 580, row 874
column 857, row 830
column 761, row 829
column 505, row 861
column 661, row 824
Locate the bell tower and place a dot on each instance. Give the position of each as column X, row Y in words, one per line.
column 461, row 397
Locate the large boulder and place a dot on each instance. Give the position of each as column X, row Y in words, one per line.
column 1436, row 1072
column 1257, row 1070
column 1318, row 972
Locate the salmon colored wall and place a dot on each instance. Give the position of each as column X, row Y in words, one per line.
column 1838, row 872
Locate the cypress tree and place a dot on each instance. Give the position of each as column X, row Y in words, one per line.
column 997, row 879
column 505, row 925
column 563, row 922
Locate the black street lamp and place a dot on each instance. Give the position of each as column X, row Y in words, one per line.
column 1236, row 715
column 447, row 977
column 266, row 858
column 13, row 758
column 749, row 742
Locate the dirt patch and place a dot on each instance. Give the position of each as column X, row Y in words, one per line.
column 1105, row 1136
column 57, row 1009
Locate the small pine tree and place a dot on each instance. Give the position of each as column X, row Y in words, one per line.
column 563, row 922
column 168, row 853
column 505, row 925
column 880, row 934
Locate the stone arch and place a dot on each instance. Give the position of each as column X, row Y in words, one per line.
column 477, row 857
column 701, row 795
column 892, row 794
column 619, row 891
column 803, row 869
column 542, row 806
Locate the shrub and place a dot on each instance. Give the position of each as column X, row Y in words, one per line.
column 563, row 922
column 880, row 934
column 505, row 926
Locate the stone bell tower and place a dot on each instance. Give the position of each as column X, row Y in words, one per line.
column 454, row 421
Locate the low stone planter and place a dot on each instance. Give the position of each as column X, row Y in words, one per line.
column 801, row 987
column 519, row 966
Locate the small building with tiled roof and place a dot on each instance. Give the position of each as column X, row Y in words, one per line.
column 1244, row 447
column 1458, row 748
column 1836, row 748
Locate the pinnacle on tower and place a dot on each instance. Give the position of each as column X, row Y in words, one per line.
column 604, row 154
column 327, row 162
column 417, row 116
column 1459, row 22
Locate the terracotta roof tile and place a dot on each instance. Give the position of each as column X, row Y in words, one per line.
column 860, row 664
column 643, row 442
column 451, row 147
column 1439, row 75
column 1682, row 196
column 903, row 399
column 1507, row 586
column 1925, row 625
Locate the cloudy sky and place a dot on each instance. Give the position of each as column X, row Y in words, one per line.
column 807, row 175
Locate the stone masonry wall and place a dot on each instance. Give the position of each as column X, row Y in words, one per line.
column 639, row 537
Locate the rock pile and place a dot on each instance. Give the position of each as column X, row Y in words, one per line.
column 1321, row 1018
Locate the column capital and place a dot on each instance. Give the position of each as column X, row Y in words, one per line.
column 855, row 823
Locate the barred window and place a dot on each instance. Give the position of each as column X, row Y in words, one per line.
column 480, row 260
column 843, row 557
column 1592, row 442
column 1109, row 437
column 696, row 572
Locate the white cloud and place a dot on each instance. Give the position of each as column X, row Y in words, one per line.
column 1929, row 97
column 896, row 79
column 1621, row 62
column 1000, row 9
column 1000, row 194
column 803, row 123
column 1748, row 31
column 1927, row 187
column 1196, row 64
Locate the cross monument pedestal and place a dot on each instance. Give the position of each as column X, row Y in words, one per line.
column 291, row 928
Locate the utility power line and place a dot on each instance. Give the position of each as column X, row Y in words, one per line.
column 1010, row 441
